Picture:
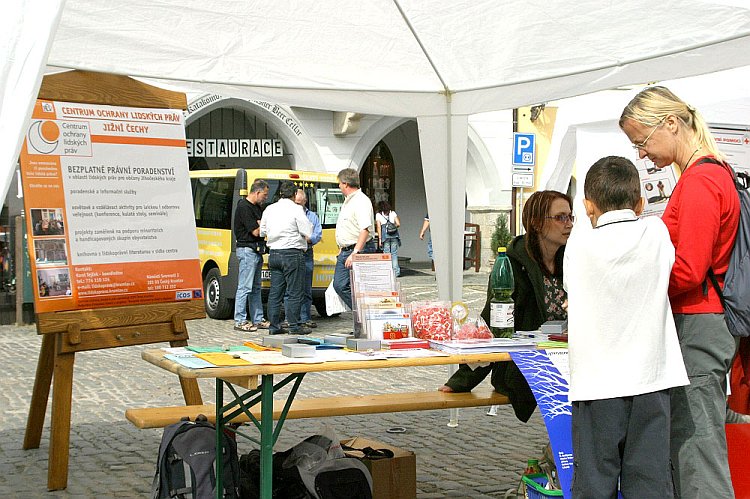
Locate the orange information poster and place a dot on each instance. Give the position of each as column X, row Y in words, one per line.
column 108, row 207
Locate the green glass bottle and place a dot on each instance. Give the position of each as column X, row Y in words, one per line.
column 501, row 304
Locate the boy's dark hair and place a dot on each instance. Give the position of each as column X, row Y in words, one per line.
column 287, row 190
column 612, row 183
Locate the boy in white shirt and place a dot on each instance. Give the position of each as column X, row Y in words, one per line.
column 623, row 348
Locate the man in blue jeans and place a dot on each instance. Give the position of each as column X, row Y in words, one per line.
column 354, row 230
column 305, row 315
column 287, row 229
column 250, row 249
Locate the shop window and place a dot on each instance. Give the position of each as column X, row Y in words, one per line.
column 377, row 177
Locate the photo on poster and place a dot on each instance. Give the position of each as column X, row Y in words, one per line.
column 657, row 189
column 47, row 222
column 53, row 282
column 657, row 185
column 50, row 252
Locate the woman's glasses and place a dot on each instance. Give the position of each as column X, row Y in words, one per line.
column 563, row 219
column 642, row 145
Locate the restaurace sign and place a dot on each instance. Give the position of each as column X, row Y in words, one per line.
column 234, row 148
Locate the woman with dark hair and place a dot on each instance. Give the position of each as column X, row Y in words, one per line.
column 386, row 225
column 702, row 217
column 538, row 295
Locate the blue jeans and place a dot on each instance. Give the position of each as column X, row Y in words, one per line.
column 248, row 285
column 287, row 268
column 391, row 245
column 429, row 246
column 341, row 278
column 305, row 310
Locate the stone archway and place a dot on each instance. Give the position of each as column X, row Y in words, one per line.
column 304, row 153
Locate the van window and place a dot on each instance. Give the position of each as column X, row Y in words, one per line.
column 326, row 201
column 324, row 198
column 212, row 202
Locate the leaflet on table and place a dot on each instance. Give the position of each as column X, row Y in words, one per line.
column 109, row 207
column 483, row 346
column 189, row 360
column 382, row 300
column 275, row 358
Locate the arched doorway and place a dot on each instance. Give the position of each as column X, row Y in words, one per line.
column 377, row 178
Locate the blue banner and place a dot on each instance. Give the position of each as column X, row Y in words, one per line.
column 547, row 373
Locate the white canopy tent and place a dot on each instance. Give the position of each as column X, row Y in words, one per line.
column 430, row 59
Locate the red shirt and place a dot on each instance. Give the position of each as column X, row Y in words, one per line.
column 702, row 216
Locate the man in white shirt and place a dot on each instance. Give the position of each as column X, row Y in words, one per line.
column 623, row 349
column 287, row 230
column 354, row 230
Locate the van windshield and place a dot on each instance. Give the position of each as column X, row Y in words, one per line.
column 324, row 198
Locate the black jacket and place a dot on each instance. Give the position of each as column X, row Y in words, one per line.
column 529, row 313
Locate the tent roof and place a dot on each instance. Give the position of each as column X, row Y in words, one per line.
column 401, row 57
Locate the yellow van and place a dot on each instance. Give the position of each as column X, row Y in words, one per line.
column 215, row 195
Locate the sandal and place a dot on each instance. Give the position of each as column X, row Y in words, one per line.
column 245, row 327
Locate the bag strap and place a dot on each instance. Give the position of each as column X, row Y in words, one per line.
column 711, row 275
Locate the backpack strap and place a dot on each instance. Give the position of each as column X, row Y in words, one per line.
column 711, row 275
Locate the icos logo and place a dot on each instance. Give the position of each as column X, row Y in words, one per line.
column 183, row 295
column 43, row 137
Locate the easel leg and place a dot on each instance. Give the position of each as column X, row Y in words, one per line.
column 190, row 390
column 40, row 393
column 59, row 445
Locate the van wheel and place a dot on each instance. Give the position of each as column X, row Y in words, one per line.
column 218, row 306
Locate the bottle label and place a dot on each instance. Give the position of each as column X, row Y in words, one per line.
column 501, row 315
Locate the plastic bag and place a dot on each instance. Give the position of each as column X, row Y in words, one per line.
column 472, row 329
column 432, row 320
column 334, row 303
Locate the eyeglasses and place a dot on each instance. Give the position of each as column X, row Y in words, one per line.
column 642, row 145
column 563, row 219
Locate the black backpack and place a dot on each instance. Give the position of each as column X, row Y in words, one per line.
column 186, row 467
column 298, row 473
column 735, row 296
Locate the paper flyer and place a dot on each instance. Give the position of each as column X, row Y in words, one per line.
column 109, row 207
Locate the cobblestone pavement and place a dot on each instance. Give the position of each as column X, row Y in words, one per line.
column 481, row 458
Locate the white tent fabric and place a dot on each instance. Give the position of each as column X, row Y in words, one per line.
column 419, row 58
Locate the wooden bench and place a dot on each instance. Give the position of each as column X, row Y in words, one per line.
column 158, row 417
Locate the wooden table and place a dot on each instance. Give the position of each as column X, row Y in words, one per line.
column 263, row 394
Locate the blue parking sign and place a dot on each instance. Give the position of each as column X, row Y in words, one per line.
column 524, row 149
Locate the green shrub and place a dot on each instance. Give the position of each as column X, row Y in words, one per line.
column 501, row 236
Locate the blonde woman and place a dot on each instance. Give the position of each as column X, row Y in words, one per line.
column 702, row 217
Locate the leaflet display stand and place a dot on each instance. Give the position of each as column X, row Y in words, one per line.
column 65, row 333
column 378, row 308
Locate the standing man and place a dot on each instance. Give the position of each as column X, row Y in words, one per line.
column 250, row 250
column 287, row 229
column 305, row 316
column 354, row 230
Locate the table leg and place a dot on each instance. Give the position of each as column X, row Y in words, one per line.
column 59, row 445
column 266, row 437
column 40, row 393
column 219, row 438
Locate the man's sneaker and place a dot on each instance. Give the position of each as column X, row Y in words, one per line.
column 301, row 330
column 279, row 331
column 262, row 324
column 284, row 324
column 245, row 327
column 311, row 324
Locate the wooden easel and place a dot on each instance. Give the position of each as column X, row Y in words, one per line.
column 68, row 332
